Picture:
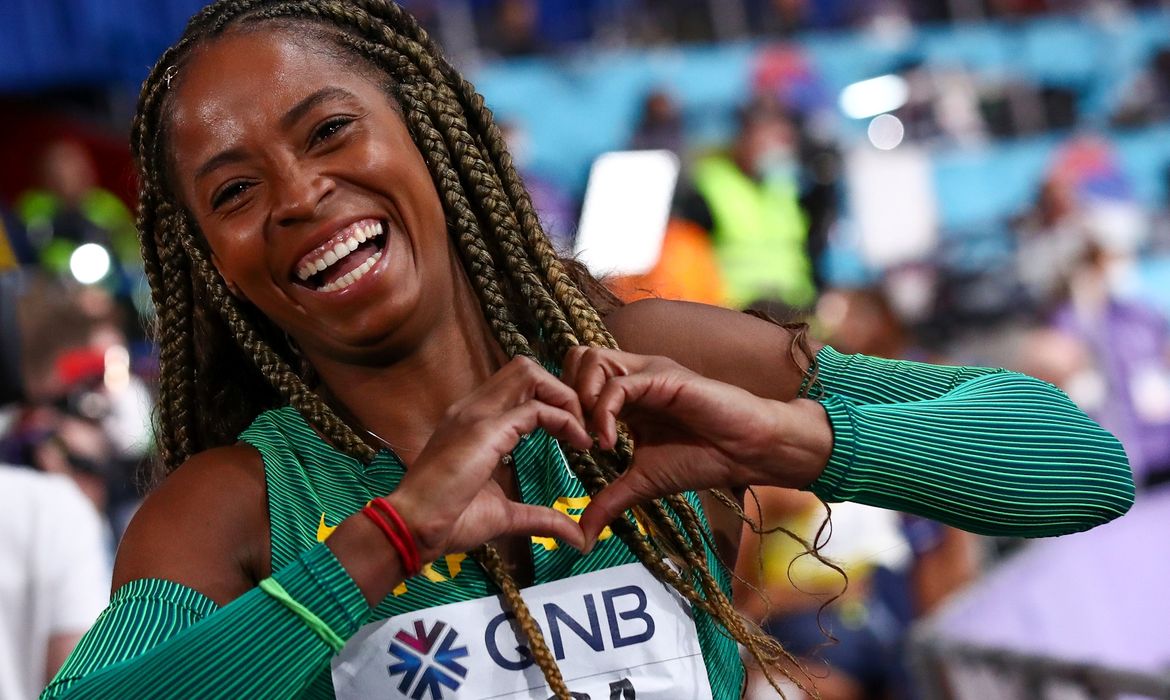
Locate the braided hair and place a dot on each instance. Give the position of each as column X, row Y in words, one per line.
column 222, row 362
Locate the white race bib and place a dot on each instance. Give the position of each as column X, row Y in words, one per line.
column 617, row 634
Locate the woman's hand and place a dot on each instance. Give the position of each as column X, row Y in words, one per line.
column 448, row 498
column 691, row 432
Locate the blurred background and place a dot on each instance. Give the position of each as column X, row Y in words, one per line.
column 959, row 181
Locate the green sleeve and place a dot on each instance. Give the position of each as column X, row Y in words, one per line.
column 989, row 451
column 864, row 379
column 159, row 639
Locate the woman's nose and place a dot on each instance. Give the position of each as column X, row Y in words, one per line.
column 299, row 193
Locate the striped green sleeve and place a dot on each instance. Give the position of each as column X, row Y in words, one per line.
column 867, row 379
column 989, row 451
column 159, row 639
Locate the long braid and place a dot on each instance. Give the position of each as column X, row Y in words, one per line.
column 710, row 587
column 480, row 178
column 494, row 227
column 282, row 376
column 590, row 326
column 483, row 269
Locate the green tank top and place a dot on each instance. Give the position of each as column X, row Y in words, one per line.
column 312, row 487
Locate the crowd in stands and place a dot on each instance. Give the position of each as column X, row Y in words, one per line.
column 762, row 220
column 514, row 28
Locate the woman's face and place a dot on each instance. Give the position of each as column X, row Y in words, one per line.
column 316, row 204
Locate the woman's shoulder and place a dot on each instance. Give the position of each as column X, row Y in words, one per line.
column 718, row 343
column 655, row 326
column 205, row 526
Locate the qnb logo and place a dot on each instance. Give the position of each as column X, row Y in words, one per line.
column 626, row 618
column 428, row 661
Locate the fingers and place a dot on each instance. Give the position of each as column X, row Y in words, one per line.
column 587, row 369
column 541, row 521
column 518, row 381
column 530, row 415
column 615, row 395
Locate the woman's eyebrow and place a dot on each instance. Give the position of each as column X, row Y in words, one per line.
column 290, row 118
column 303, row 107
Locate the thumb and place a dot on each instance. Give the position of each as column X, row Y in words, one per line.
column 533, row 520
column 623, row 493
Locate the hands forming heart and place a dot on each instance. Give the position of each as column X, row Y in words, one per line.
column 691, row 433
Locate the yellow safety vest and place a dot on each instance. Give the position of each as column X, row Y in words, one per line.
column 759, row 235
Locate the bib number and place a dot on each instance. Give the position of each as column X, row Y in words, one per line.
column 616, row 634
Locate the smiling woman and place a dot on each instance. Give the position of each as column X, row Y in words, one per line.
column 364, row 455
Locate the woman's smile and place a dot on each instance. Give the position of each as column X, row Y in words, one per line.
column 345, row 258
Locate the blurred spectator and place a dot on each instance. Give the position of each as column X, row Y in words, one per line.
column 1128, row 348
column 687, row 268
column 852, row 319
column 864, row 540
column 71, row 209
column 83, row 413
column 1051, row 240
column 54, row 576
column 661, row 125
column 786, row 74
column 1085, row 200
column 751, row 198
column 1147, row 99
column 516, row 31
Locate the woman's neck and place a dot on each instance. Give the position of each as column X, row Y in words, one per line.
column 400, row 404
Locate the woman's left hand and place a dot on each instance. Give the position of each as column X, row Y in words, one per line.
column 691, row 432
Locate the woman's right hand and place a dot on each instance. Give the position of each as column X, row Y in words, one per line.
column 448, row 497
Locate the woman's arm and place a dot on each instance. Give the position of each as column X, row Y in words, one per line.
column 188, row 614
column 1000, row 454
column 987, row 450
column 162, row 640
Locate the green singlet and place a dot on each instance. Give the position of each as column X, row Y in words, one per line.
column 312, row 487
column 990, row 451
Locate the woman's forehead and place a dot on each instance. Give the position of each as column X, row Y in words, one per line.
column 244, row 81
column 275, row 57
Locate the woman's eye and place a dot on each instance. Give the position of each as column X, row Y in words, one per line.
column 228, row 193
column 329, row 128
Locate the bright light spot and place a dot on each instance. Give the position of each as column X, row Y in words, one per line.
column 886, row 132
column 89, row 263
column 867, row 98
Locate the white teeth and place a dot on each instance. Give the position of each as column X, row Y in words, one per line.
column 340, row 249
column 354, row 275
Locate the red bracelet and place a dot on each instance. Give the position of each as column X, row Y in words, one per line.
column 390, row 512
column 407, row 539
column 409, row 563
